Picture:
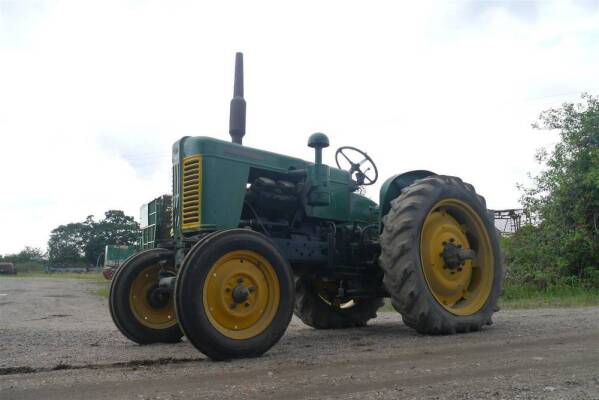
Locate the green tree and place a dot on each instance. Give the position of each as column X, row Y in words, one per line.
column 28, row 254
column 84, row 242
column 116, row 228
column 564, row 200
column 67, row 243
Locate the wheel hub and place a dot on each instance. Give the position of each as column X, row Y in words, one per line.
column 150, row 305
column 157, row 297
column 455, row 256
column 241, row 294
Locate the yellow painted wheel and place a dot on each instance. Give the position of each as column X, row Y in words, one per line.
column 142, row 313
column 150, row 311
column 463, row 287
column 441, row 257
column 241, row 294
column 234, row 294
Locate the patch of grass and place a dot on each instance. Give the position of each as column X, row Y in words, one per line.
column 517, row 297
column 91, row 276
column 102, row 291
column 527, row 296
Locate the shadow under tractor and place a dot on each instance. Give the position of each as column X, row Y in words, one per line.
column 258, row 236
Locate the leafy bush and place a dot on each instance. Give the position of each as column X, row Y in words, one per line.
column 562, row 246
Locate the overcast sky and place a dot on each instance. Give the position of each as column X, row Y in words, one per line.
column 93, row 94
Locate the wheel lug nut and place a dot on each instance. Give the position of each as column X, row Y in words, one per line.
column 227, row 290
column 240, row 280
column 247, row 304
column 452, row 240
column 232, row 306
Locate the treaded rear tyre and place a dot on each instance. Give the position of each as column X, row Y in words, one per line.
column 401, row 259
column 315, row 312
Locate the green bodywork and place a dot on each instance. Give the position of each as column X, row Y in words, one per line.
column 212, row 181
column 227, row 168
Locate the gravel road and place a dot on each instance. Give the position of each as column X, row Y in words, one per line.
column 57, row 342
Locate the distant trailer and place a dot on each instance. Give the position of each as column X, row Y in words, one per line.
column 114, row 256
column 7, row 268
column 156, row 225
column 156, row 222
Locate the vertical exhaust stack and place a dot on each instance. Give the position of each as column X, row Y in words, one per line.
column 237, row 112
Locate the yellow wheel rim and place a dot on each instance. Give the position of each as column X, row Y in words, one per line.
column 462, row 290
column 241, row 294
column 139, row 302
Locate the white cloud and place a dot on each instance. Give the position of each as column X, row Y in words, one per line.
column 92, row 94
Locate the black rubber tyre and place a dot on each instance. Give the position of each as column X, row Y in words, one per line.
column 198, row 322
column 315, row 312
column 401, row 259
column 120, row 305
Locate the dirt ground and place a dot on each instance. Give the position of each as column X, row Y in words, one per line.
column 57, row 342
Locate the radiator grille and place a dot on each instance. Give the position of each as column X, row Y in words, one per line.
column 191, row 192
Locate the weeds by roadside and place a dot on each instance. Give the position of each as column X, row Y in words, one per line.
column 517, row 297
column 514, row 296
column 103, row 290
column 528, row 296
column 91, row 276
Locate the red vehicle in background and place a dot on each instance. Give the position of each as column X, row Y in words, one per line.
column 7, row 268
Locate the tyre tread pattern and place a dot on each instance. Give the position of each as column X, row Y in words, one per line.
column 400, row 259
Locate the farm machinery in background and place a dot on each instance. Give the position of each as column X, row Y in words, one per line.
column 257, row 236
column 509, row 221
column 7, row 268
column 155, row 224
column 114, row 256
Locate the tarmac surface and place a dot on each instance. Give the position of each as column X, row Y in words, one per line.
column 57, row 341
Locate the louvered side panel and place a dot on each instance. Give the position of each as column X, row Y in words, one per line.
column 191, row 192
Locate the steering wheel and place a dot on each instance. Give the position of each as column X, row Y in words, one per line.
column 363, row 172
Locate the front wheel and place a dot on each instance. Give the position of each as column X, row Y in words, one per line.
column 141, row 310
column 441, row 257
column 234, row 295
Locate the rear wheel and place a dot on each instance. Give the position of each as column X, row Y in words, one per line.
column 141, row 310
column 234, row 295
column 441, row 257
column 317, row 308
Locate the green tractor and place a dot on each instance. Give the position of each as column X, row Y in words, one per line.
column 258, row 236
